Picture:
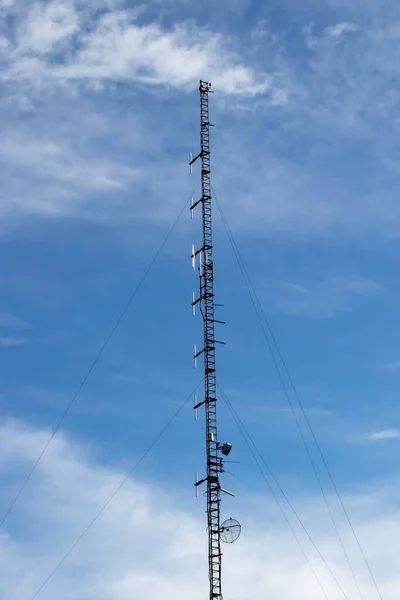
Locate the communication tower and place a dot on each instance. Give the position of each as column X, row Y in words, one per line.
column 202, row 259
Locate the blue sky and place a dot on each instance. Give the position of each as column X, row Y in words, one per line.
column 99, row 110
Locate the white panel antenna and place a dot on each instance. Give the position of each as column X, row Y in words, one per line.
column 193, row 258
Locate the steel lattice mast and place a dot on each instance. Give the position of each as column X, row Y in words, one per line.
column 204, row 259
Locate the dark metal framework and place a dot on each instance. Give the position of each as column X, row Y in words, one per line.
column 207, row 305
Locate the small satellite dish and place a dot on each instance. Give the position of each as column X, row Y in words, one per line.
column 230, row 531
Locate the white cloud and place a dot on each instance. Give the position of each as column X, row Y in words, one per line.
column 342, row 93
column 46, row 26
column 59, row 163
column 385, row 434
column 337, row 30
column 315, row 41
column 147, row 538
column 115, row 47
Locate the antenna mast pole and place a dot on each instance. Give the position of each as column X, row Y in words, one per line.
column 206, row 301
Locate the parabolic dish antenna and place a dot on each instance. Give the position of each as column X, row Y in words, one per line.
column 230, row 531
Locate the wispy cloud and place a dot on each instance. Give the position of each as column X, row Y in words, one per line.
column 10, row 341
column 337, row 30
column 347, row 81
column 385, row 434
column 82, row 154
column 10, row 321
column 11, row 329
column 117, row 47
column 323, row 298
column 339, row 94
column 49, row 160
column 392, row 366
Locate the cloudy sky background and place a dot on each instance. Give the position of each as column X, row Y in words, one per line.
column 99, row 107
